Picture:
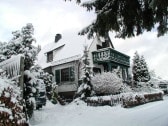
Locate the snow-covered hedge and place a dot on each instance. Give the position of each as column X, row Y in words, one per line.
column 134, row 99
column 125, row 99
column 11, row 108
column 107, row 83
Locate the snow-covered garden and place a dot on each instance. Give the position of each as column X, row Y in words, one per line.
column 150, row 114
column 18, row 100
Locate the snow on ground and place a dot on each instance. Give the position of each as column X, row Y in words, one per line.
column 150, row 114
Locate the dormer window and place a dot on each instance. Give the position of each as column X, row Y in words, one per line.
column 50, row 56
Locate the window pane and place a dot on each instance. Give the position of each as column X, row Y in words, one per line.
column 65, row 74
column 49, row 56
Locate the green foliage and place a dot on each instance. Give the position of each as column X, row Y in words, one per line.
column 48, row 83
column 127, row 17
column 77, row 1
column 136, row 68
column 85, row 89
column 11, row 104
column 29, row 107
column 145, row 75
column 54, row 97
column 21, row 43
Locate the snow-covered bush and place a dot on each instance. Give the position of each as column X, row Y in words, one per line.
column 107, row 83
column 21, row 43
column 85, row 89
column 145, row 87
column 142, row 93
column 48, row 83
column 36, row 85
column 133, row 99
column 11, row 104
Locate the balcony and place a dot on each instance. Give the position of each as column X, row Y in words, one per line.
column 110, row 55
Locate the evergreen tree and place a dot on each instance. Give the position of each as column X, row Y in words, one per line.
column 145, row 75
column 136, row 68
column 127, row 18
column 48, row 83
column 21, row 43
column 85, row 89
column 139, row 69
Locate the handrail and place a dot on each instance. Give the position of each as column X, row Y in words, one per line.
column 110, row 55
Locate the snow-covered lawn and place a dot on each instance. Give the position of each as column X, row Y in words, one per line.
column 150, row 114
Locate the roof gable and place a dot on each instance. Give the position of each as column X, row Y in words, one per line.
column 63, row 51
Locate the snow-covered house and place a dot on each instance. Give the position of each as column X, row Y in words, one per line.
column 64, row 60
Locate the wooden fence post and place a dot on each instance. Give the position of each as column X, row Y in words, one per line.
column 21, row 79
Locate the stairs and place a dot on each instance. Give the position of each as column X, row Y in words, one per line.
column 60, row 100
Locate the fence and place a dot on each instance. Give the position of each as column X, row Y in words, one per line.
column 104, row 100
column 14, row 68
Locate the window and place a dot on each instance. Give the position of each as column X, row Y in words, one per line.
column 96, row 70
column 49, row 56
column 57, row 76
column 64, row 75
column 98, row 47
column 105, row 44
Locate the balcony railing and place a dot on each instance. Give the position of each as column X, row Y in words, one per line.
column 110, row 55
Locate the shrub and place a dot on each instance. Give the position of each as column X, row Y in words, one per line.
column 134, row 99
column 107, row 83
column 11, row 105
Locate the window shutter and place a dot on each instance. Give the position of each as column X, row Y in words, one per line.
column 57, row 76
column 72, row 73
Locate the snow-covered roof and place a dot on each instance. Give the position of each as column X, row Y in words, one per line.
column 53, row 46
column 66, row 51
column 63, row 52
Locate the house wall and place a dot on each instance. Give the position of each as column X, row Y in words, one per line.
column 56, row 52
column 93, row 47
column 90, row 50
column 68, row 86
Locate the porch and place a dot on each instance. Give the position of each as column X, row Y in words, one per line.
column 110, row 55
column 110, row 59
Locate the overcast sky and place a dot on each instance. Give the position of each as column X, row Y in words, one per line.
column 56, row 16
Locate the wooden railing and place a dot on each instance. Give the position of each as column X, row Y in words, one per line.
column 109, row 54
column 14, row 68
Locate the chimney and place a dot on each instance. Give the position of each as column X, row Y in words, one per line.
column 57, row 37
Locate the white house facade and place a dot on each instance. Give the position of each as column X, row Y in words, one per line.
column 64, row 60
